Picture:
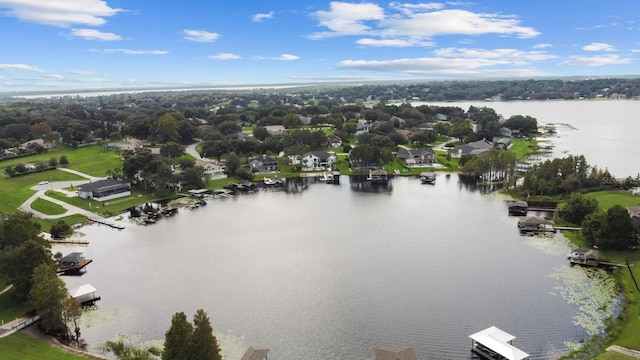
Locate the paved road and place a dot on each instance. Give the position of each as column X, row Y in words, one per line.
column 191, row 150
column 59, row 186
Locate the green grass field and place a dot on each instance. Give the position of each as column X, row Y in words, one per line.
column 607, row 199
column 47, row 207
column 24, row 347
column 9, row 309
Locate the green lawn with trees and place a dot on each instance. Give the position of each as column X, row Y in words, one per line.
column 24, row 347
column 47, row 207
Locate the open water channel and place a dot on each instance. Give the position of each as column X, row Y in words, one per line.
column 331, row 271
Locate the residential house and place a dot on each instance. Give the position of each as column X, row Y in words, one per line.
column 33, row 143
column 405, row 133
column 131, row 144
column 362, row 128
column 416, row 157
column 318, row 160
column 275, row 130
column 102, row 190
column 334, row 141
column 7, row 153
column 473, row 148
column 501, row 143
column 263, row 164
column 401, row 122
column 304, row 120
column 212, row 170
column 504, row 131
column 634, row 212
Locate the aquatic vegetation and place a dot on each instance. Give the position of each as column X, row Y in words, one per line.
column 93, row 316
column 552, row 243
column 594, row 292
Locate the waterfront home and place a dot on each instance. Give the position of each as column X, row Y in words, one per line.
column 263, row 163
column 318, row 160
column 501, row 143
column 211, row 170
column 473, row 148
column 395, row 353
column 107, row 189
column 416, row 157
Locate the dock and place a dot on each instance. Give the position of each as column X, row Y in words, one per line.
column 493, row 343
column 536, row 224
column 591, row 257
column 103, row 221
column 73, row 263
column 69, row 241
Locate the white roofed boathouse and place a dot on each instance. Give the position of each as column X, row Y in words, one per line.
column 493, row 343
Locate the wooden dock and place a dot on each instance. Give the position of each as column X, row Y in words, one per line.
column 74, row 268
column 103, row 221
column 69, row 241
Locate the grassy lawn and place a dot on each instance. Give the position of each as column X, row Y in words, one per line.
column 107, row 208
column 22, row 346
column 611, row 355
column 9, row 309
column 607, row 199
column 17, row 190
column 47, row 207
column 523, row 147
column 92, row 160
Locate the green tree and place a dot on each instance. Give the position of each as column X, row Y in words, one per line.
column 166, row 128
column 232, row 164
column 19, row 263
column 203, row 345
column 47, row 296
column 578, row 207
column 63, row 160
column 290, row 121
column 177, row 339
column 61, row 229
column 612, row 229
column 53, row 162
column 171, row 150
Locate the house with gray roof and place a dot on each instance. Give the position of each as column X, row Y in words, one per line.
column 263, row 164
column 103, row 190
column 416, row 157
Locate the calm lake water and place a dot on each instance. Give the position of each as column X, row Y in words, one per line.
column 332, row 271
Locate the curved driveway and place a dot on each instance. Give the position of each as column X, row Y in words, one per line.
column 59, row 186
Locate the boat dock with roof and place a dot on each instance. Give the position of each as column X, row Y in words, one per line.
column 495, row 344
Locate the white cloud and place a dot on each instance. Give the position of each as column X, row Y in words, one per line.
column 415, row 21
column 131, row 52
column 347, row 19
column 92, row 34
column 81, row 72
column 224, row 56
column 60, row 13
column 542, row 46
column 596, row 60
column 260, row 17
column 598, row 47
column 286, row 57
column 513, row 55
column 52, row 77
column 392, row 42
column 20, row 67
column 200, row 35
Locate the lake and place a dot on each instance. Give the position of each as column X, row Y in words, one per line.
column 331, row 271
column 604, row 131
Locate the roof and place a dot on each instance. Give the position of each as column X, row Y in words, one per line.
column 518, row 203
column 103, row 185
column 395, row 353
column 536, row 220
column 73, row 257
column 322, row 155
column 498, row 341
column 255, row 354
column 82, row 290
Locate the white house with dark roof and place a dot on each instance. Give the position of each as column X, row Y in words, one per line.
column 317, row 160
column 102, row 190
column 417, row 157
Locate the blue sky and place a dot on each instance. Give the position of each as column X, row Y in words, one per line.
column 91, row 44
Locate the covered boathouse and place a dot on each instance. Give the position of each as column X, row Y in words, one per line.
column 495, row 344
column 85, row 294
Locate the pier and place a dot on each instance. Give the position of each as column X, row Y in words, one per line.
column 495, row 344
column 103, row 221
column 69, row 241
column 73, row 263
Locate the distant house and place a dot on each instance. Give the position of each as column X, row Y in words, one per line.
column 504, row 131
column 275, row 130
column 417, row 157
column 317, row 160
column 102, row 190
column 334, row 141
column 634, row 212
column 7, row 153
column 401, row 122
column 131, row 144
column 473, row 148
column 405, row 133
column 211, row 170
column 362, row 128
column 263, row 164
column 501, row 143
column 33, row 143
